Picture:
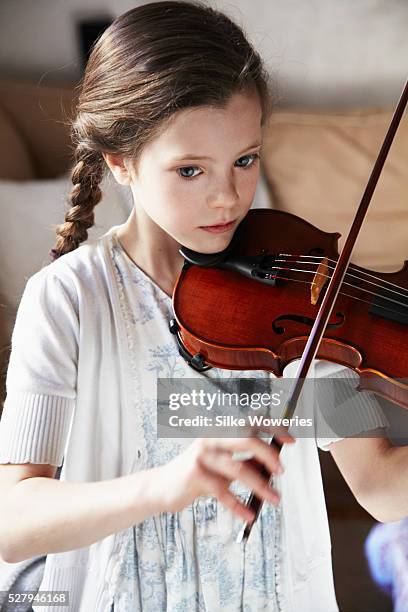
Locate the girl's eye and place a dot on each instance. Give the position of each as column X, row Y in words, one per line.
column 253, row 157
column 187, row 172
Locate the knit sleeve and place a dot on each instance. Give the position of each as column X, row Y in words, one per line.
column 42, row 373
column 343, row 411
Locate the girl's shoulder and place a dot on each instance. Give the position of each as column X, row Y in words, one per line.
column 81, row 271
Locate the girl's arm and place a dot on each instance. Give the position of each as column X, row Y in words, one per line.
column 41, row 515
column 377, row 473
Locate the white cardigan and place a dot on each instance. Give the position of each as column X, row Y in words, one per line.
column 72, row 399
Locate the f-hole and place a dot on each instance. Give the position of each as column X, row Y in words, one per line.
column 278, row 329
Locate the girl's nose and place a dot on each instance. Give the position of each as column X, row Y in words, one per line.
column 224, row 196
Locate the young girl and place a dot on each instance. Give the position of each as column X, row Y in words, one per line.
column 172, row 102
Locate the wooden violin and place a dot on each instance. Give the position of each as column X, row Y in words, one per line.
column 226, row 320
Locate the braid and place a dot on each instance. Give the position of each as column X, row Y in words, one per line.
column 86, row 176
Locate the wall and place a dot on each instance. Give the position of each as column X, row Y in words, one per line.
column 322, row 53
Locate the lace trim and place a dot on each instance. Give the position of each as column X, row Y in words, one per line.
column 278, row 559
column 115, row 564
column 119, row 548
column 127, row 316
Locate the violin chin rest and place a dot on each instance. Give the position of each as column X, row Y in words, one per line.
column 207, row 260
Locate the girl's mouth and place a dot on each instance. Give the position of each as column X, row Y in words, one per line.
column 217, row 229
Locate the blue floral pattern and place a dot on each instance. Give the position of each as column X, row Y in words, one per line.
column 185, row 561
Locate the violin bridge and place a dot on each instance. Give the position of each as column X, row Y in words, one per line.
column 320, row 279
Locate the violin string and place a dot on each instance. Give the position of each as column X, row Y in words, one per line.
column 346, row 276
column 344, row 283
column 353, row 268
column 402, row 291
column 404, row 295
column 353, row 297
column 382, row 286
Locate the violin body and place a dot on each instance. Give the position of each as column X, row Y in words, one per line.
column 230, row 321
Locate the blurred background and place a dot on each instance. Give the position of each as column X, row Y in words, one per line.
column 323, row 53
column 338, row 68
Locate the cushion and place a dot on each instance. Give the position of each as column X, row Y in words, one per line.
column 317, row 166
column 15, row 162
column 29, row 213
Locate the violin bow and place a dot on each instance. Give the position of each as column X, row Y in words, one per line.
column 327, row 305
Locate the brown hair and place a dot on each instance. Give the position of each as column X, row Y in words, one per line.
column 151, row 62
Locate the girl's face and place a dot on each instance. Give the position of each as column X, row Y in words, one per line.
column 201, row 171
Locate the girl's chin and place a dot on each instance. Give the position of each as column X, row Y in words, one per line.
column 213, row 243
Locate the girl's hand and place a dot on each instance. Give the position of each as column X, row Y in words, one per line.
column 207, row 467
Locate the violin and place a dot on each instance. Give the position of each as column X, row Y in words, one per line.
column 265, row 325
column 355, row 317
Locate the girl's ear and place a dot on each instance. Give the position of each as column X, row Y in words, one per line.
column 117, row 166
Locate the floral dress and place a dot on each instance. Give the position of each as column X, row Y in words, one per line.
column 189, row 560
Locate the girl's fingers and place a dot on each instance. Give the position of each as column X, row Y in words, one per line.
column 217, row 485
column 281, row 433
column 220, row 461
column 231, row 502
column 259, row 449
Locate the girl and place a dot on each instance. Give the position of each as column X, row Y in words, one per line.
column 172, row 102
